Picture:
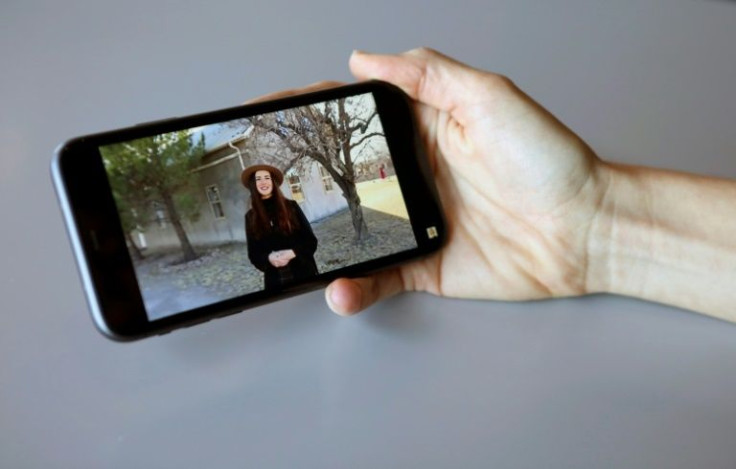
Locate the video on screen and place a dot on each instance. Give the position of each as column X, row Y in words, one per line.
column 263, row 202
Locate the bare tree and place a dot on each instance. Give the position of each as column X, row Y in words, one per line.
column 328, row 133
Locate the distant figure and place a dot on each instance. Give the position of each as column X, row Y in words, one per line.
column 280, row 240
column 382, row 171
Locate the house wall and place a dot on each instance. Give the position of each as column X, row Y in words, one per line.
column 234, row 198
column 318, row 203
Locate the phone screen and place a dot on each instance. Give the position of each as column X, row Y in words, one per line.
column 263, row 202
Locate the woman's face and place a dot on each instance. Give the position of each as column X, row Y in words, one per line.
column 264, row 184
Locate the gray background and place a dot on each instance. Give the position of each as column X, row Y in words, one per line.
column 414, row 382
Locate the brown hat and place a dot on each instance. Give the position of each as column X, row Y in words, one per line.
column 276, row 174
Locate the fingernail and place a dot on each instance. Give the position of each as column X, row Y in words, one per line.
column 329, row 292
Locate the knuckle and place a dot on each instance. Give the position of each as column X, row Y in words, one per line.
column 423, row 51
column 501, row 81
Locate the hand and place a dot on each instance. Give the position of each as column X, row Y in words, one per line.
column 287, row 255
column 534, row 213
column 274, row 259
column 281, row 258
column 521, row 191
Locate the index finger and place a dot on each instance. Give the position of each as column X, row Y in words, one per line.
column 320, row 85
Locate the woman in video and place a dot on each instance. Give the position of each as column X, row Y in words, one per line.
column 281, row 243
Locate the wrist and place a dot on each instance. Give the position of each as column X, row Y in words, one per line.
column 667, row 237
column 620, row 241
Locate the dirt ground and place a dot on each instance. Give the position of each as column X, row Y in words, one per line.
column 224, row 271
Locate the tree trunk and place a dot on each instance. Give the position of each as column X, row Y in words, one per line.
column 350, row 192
column 186, row 247
column 137, row 254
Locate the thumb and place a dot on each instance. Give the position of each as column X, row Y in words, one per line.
column 425, row 75
column 347, row 296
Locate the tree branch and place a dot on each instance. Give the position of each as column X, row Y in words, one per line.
column 364, row 123
column 366, row 137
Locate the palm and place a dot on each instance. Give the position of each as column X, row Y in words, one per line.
column 518, row 213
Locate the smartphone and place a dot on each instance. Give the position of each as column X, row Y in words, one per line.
column 176, row 222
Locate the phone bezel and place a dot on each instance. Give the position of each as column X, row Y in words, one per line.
column 97, row 236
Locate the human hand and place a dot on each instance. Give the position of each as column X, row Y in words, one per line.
column 281, row 258
column 533, row 213
column 521, row 191
column 287, row 255
column 276, row 258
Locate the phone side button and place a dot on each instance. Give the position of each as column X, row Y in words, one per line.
column 197, row 323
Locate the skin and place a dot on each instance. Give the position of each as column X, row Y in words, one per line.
column 264, row 184
column 534, row 213
column 521, row 188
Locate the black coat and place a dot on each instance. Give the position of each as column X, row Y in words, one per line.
column 301, row 240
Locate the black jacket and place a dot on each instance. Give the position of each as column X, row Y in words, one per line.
column 301, row 240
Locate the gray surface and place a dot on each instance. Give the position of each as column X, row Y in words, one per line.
column 417, row 381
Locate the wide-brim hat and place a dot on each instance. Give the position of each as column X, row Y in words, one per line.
column 248, row 172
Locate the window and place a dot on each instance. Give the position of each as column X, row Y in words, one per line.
column 327, row 181
column 295, row 184
column 159, row 214
column 213, row 196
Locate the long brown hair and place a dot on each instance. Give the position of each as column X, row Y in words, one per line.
column 260, row 223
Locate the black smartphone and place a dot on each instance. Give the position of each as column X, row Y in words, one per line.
column 180, row 221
